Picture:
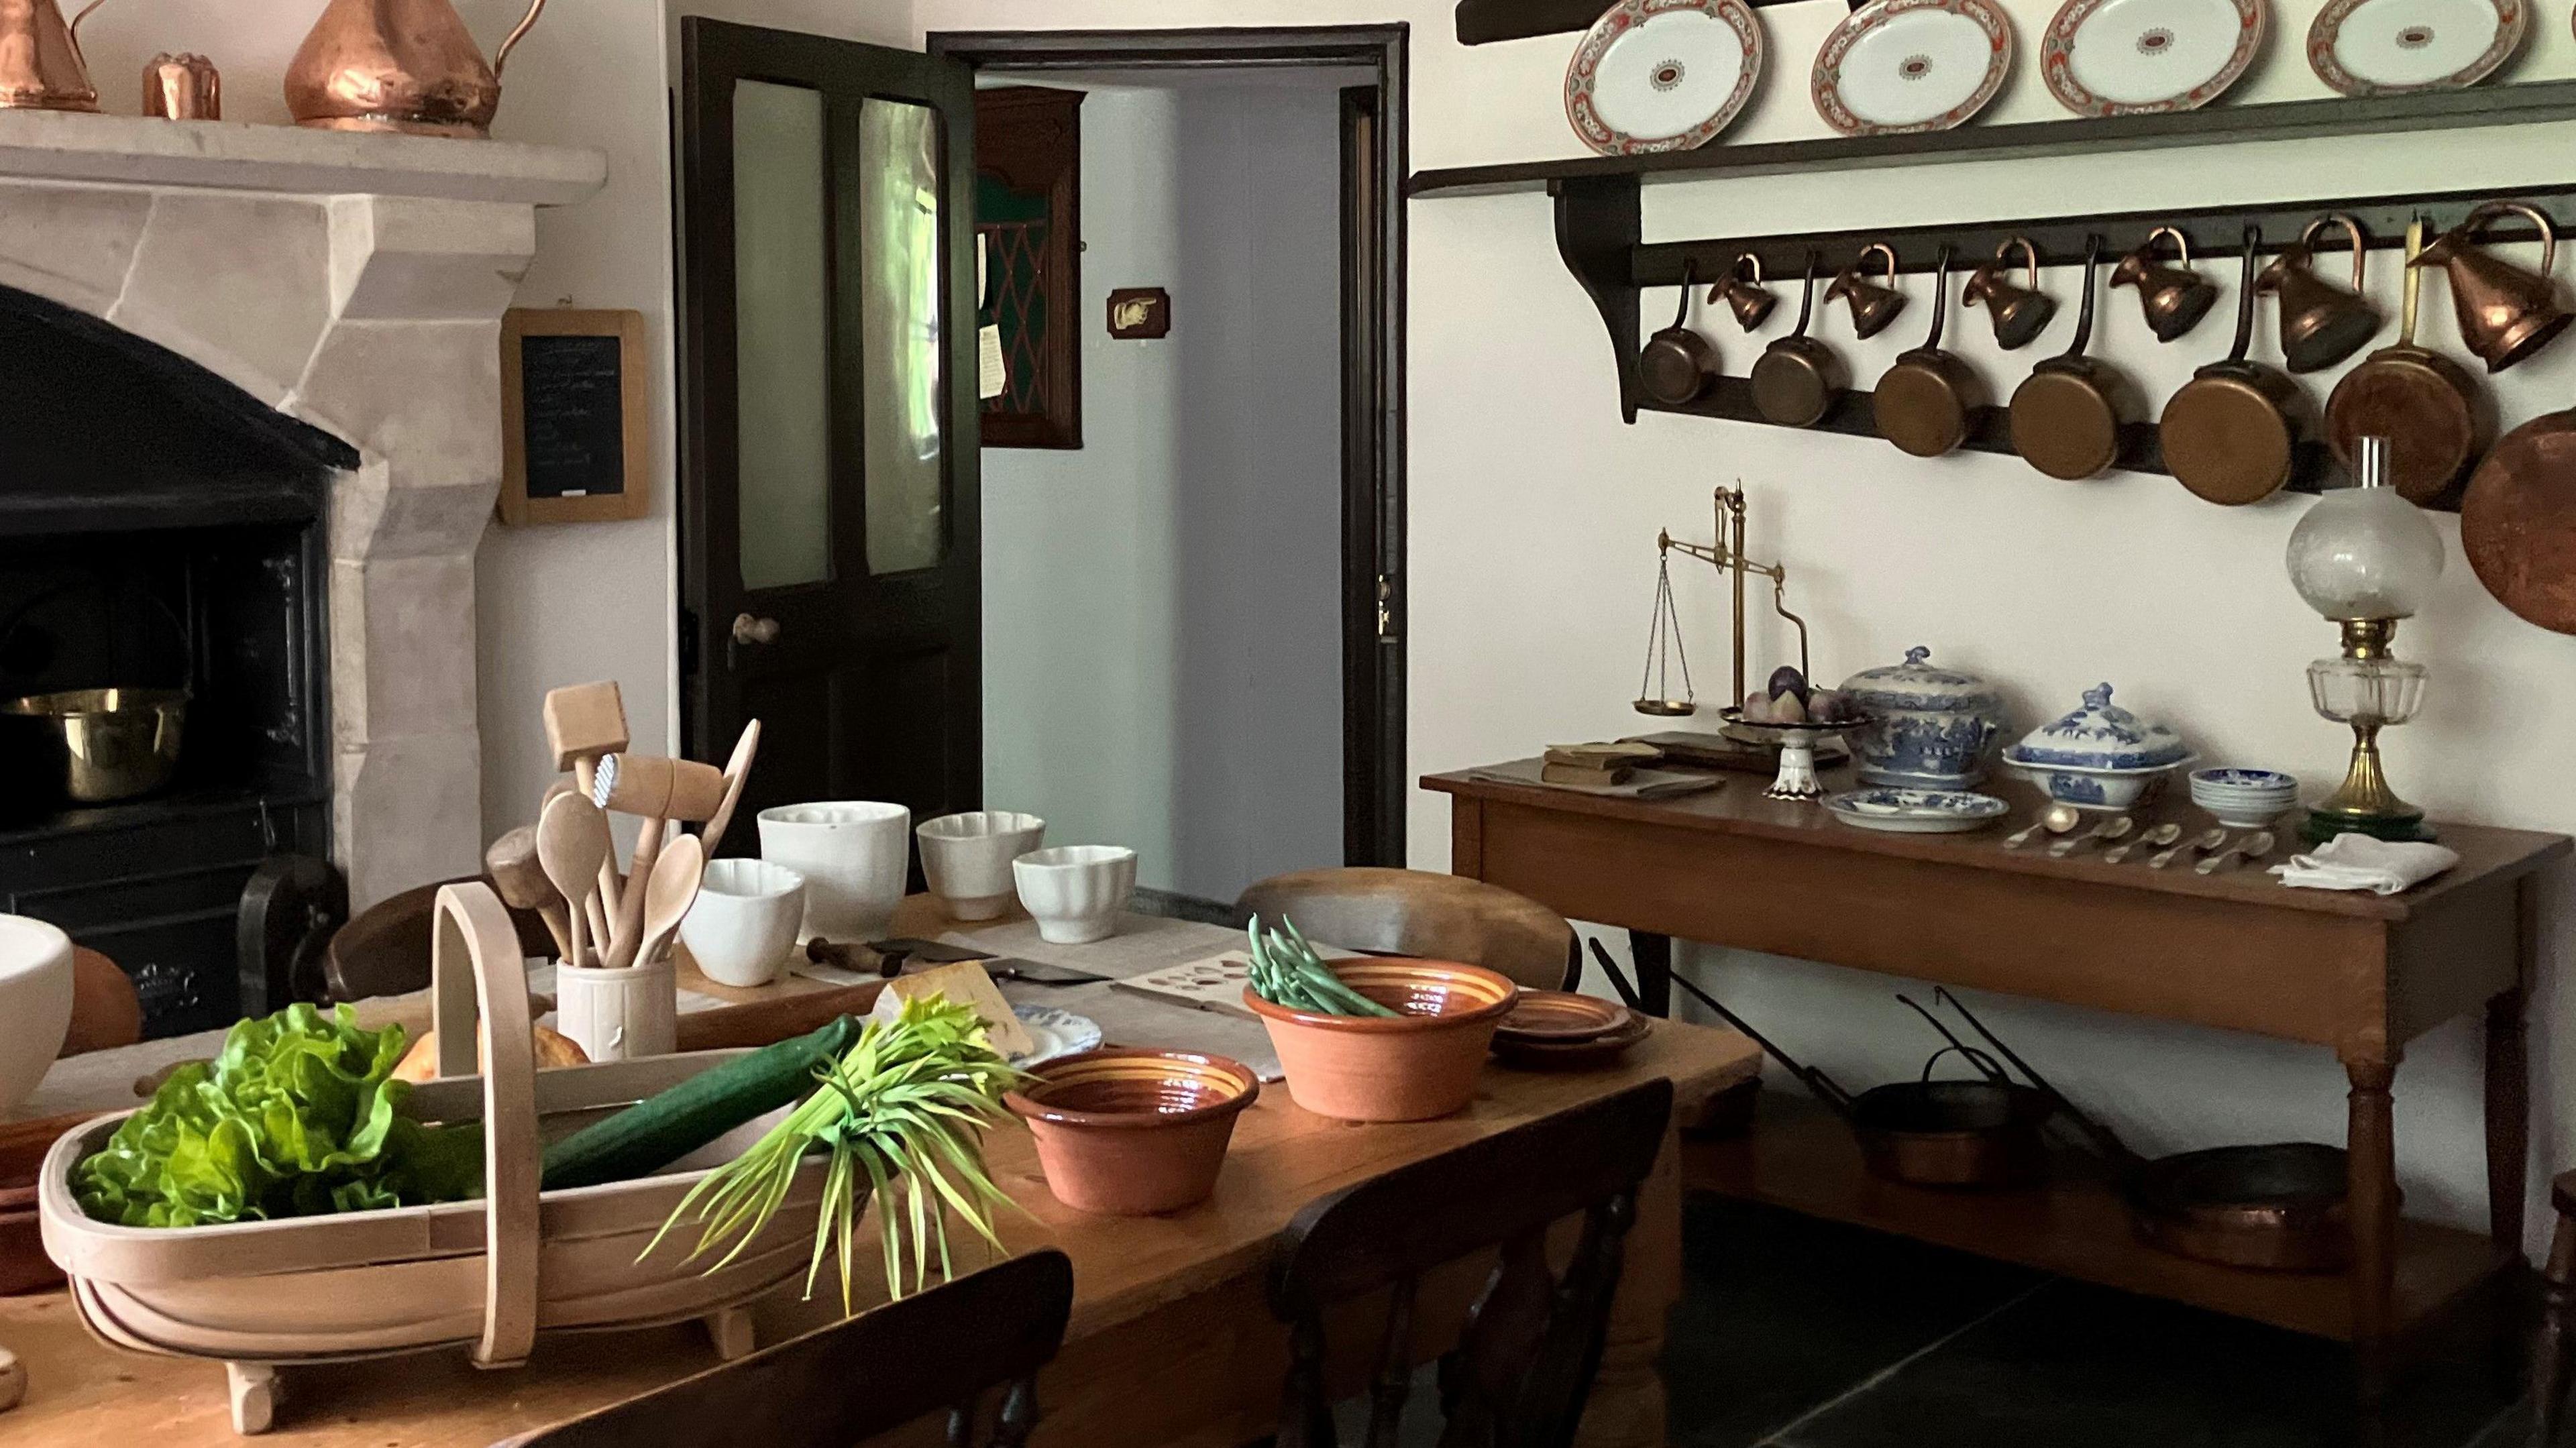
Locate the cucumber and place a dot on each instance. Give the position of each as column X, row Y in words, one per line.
column 654, row 1133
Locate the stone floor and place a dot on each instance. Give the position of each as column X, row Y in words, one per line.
column 1807, row 1334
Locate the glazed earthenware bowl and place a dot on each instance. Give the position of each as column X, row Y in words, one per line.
column 1130, row 1133
column 1409, row 1067
column 1561, row 1015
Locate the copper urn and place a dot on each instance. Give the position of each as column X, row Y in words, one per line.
column 41, row 67
column 396, row 65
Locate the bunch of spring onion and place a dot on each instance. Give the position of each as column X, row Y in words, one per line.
column 902, row 1114
column 1287, row 972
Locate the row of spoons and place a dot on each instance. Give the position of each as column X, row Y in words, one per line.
column 2215, row 850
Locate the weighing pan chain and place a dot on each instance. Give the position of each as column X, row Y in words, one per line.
column 1664, row 645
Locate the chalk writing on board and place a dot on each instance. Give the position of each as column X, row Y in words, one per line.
column 573, row 419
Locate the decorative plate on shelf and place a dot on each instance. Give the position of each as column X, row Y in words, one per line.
column 2138, row 57
column 1662, row 75
column 1055, row 1033
column 2392, row 47
column 1915, row 811
column 1895, row 66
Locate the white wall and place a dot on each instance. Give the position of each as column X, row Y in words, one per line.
column 1161, row 614
column 1534, row 512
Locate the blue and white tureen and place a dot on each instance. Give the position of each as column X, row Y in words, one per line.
column 2099, row 757
column 1928, row 727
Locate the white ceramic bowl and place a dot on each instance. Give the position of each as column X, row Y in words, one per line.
column 35, row 1004
column 967, row 858
column 1075, row 892
column 744, row 921
column 853, row 854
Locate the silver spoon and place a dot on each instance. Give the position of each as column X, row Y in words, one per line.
column 2154, row 839
column 2104, row 832
column 2057, row 819
column 2253, row 847
column 2203, row 842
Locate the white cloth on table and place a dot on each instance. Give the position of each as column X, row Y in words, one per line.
column 2362, row 862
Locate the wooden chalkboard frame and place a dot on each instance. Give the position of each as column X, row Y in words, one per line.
column 516, row 508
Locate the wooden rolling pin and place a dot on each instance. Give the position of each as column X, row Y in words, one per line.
column 764, row 1022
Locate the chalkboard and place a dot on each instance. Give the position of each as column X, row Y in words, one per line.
column 572, row 416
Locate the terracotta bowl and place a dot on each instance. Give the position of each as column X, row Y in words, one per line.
column 1130, row 1133
column 1411, row 1067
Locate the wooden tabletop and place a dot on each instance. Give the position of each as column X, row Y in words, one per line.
column 1126, row 1271
column 1740, row 808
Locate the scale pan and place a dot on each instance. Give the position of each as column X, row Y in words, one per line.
column 1667, row 708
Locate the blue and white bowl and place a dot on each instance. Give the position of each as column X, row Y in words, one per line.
column 1915, row 811
column 2244, row 798
column 2101, row 791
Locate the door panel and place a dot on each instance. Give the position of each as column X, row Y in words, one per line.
column 830, row 553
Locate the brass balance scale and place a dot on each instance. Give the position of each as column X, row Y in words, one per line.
column 1789, row 749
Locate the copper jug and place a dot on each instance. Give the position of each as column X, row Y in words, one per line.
column 2174, row 298
column 2506, row 313
column 2021, row 312
column 396, row 65
column 2321, row 323
column 1873, row 304
column 1749, row 300
column 41, row 66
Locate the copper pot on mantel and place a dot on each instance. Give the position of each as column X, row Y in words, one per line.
column 395, row 65
column 41, row 66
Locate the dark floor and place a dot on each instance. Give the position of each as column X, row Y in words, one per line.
column 1809, row 1334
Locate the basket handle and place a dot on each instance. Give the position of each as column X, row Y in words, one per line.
column 475, row 972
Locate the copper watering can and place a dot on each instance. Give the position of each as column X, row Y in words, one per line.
column 1873, row 305
column 1749, row 300
column 2506, row 312
column 2175, row 297
column 2321, row 323
column 395, row 65
column 41, row 66
column 2021, row 312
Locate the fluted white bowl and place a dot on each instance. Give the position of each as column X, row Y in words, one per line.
column 744, row 921
column 1075, row 892
column 35, row 1004
column 967, row 858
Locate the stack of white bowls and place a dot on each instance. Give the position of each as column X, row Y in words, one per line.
column 2244, row 798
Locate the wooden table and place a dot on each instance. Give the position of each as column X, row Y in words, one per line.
column 2357, row 973
column 1171, row 1342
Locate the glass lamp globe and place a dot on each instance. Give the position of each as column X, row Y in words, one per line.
column 2366, row 552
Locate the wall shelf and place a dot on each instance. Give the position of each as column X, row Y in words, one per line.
column 2214, row 125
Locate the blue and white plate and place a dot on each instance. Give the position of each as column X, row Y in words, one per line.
column 1915, row 811
column 1055, row 1033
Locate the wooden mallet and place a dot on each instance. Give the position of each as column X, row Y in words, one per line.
column 660, row 789
column 583, row 722
column 512, row 864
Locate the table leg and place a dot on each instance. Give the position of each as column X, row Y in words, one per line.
column 1626, row 1408
column 1654, row 957
column 2508, row 1120
column 2370, row 1139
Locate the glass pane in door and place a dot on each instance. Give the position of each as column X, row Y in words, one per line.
column 904, row 452
column 782, row 334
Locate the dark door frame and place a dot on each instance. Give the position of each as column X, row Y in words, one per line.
column 1373, row 508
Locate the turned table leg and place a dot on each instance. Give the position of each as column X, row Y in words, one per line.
column 2508, row 1082
column 2550, row 1344
column 2370, row 1139
column 1654, row 957
column 1626, row 1407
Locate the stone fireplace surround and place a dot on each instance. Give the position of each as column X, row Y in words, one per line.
column 355, row 282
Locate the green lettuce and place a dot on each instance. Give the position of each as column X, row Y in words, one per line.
column 298, row 1116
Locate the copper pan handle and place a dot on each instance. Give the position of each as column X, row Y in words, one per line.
column 73, row 30
column 501, row 56
column 2414, row 281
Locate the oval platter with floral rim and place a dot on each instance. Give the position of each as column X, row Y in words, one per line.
column 1898, row 66
column 1662, row 75
column 2393, row 47
column 2140, row 57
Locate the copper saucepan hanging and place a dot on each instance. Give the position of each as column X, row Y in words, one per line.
column 1922, row 403
column 2321, row 323
column 1796, row 377
column 2021, row 312
column 1677, row 364
column 2518, row 521
column 2435, row 416
column 2066, row 415
column 2231, row 433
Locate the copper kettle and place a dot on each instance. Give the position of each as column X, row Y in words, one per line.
column 2506, row 312
column 2175, row 297
column 2321, row 323
column 41, row 66
column 1751, row 301
column 2020, row 312
column 394, row 65
column 1873, row 304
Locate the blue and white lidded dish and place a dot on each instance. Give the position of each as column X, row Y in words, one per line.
column 1928, row 727
column 2101, row 735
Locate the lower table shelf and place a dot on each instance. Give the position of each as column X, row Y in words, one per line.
column 1800, row 1156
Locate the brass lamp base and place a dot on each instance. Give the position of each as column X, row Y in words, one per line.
column 2364, row 804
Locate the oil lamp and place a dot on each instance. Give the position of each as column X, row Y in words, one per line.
column 2365, row 557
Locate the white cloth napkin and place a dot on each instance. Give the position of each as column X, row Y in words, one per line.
column 2360, row 862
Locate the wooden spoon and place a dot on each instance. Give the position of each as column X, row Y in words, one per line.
column 737, row 769
column 668, row 894
column 572, row 843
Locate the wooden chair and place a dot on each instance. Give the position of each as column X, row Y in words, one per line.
column 2553, row 1343
column 384, row 949
column 844, row 1384
column 1524, row 1364
column 1415, row 912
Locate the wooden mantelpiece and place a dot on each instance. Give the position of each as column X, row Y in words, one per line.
column 2359, row 974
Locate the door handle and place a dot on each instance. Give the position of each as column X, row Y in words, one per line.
column 750, row 630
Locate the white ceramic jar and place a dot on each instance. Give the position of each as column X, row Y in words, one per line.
column 854, row 855
column 619, row 1015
